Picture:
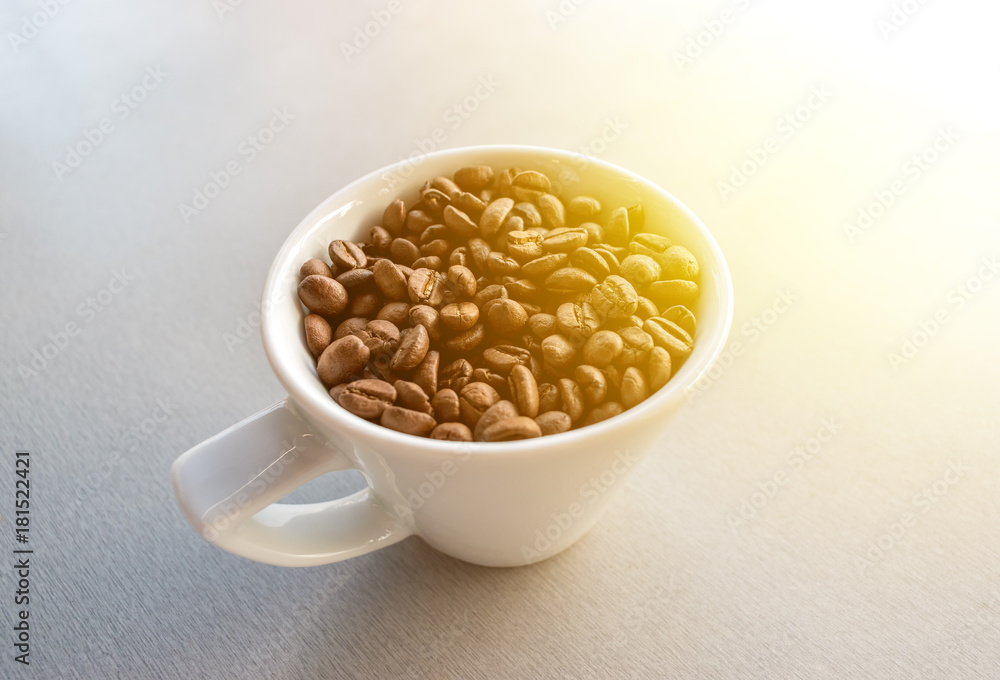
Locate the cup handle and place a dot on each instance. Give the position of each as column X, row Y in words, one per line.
column 227, row 487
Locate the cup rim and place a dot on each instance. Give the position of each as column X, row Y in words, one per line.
column 326, row 411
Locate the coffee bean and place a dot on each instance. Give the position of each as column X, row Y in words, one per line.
column 502, row 410
column 355, row 280
column 542, row 266
column 487, row 293
column 502, row 358
column 681, row 316
column 670, row 337
column 382, row 340
column 649, row 244
column 429, row 318
column 396, row 313
column 610, row 258
column 512, row 429
column 418, row 220
column 679, row 263
column 634, row 387
column 462, row 281
column 608, row 409
column 342, row 359
column 425, row 287
column 672, row 292
column 615, row 298
column 455, row 375
column 412, row 349
column 346, row 255
column 315, row 267
column 524, row 390
column 646, row 308
column 588, row 259
column 470, row 204
column 461, row 316
column 323, row 295
column 479, row 250
column 494, row 216
column 491, row 378
column 531, row 179
column 616, row 231
column 446, row 406
column 636, row 346
column 553, row 422
column 394, row 217
column 563, row 240
column 543, row 325
column 659, row 368
column 367, row 398
column 446, row 186
column 569, row 280
column 459, row 256
column 524, row 245
column 577, row 321
column 502, row 265
column 640, row 270
column 552, row 210
column 349, row 327
column 558, row 351
column 571, row 398
column 548, row 398
column 403, row 251
column 452, row 432
column 336, row 391
column 318, row 334
column 364, row 304
column 466, row 340
column 592, row 383
column 602, row 348
column 584, row 206
column 506, row 316
column 474, row 178
column 407, row 421
column 426, row 372
column 410, row 395
column 474, row 400
column 459, row 222
column 429, row 262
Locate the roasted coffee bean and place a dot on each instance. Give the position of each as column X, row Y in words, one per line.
column 494, row 216
column 608, row 409
column 636, row 219
column 413, row 347
column 589, row 260
column 349, row 327
column 342, row 359
column 679, row 263
column 616, row 231
column 364, row 304
column 670, row 337
column 558, row 351
column 531, row 308
column 659, row 368
column 602, row 348
column 681, row 316
column 506, row 316
column 452, row 432
column 470, row 204
column 592, row 383
column 346, row 255
column 336, row 391
column 502, row 358
column 614, row 298
column 459, row 222
column 487, row 293
column 553, row 422
column 614, row 264
column 651, row 242
column 563, row 240
column 433, row 201
column 418, row 220
column 584, row 206
column 524, row 245
column 426, row 372
column 523, row 390
column 446, row 186
column 467, row 340
column 409, row 422
column 646, row 308
column 323, row 295
column 462, row 281
column 639, row 270
column 543, row 325
column 354, row 280
column 552, row 210
column 613, row 375
column 474, row 178
column 396, row 313
column 446, row 406
column 474, row 400
column 634, row 387
column 318, row 334
column 577, row 321
column 394, row 217
column 571, row 398
column 502, row 410
column 531, row 179
column 672, row 292
column 522, row 290
column 429, row 318
column 569, row 280
column 502, row 265
column 491, row 378
column 429, row 262
column 315, row 267
column 512, row 429
column 382, row 340
column 542, row 266
column 403, row 251
column 455, row 375
column 367, row 398
column 459, row 256
column 425, row 287
column 460, row 316
column 636, row 345
column 412, row 396
column 548, row 398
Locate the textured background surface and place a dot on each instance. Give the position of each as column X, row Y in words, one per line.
column 875, row 558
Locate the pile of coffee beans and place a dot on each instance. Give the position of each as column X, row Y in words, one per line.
column 493, row 310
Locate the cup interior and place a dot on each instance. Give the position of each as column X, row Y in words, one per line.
column 351, row 212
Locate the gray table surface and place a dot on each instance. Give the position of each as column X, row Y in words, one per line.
column 733, row 552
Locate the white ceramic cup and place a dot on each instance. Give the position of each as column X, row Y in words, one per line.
column 495, row 504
